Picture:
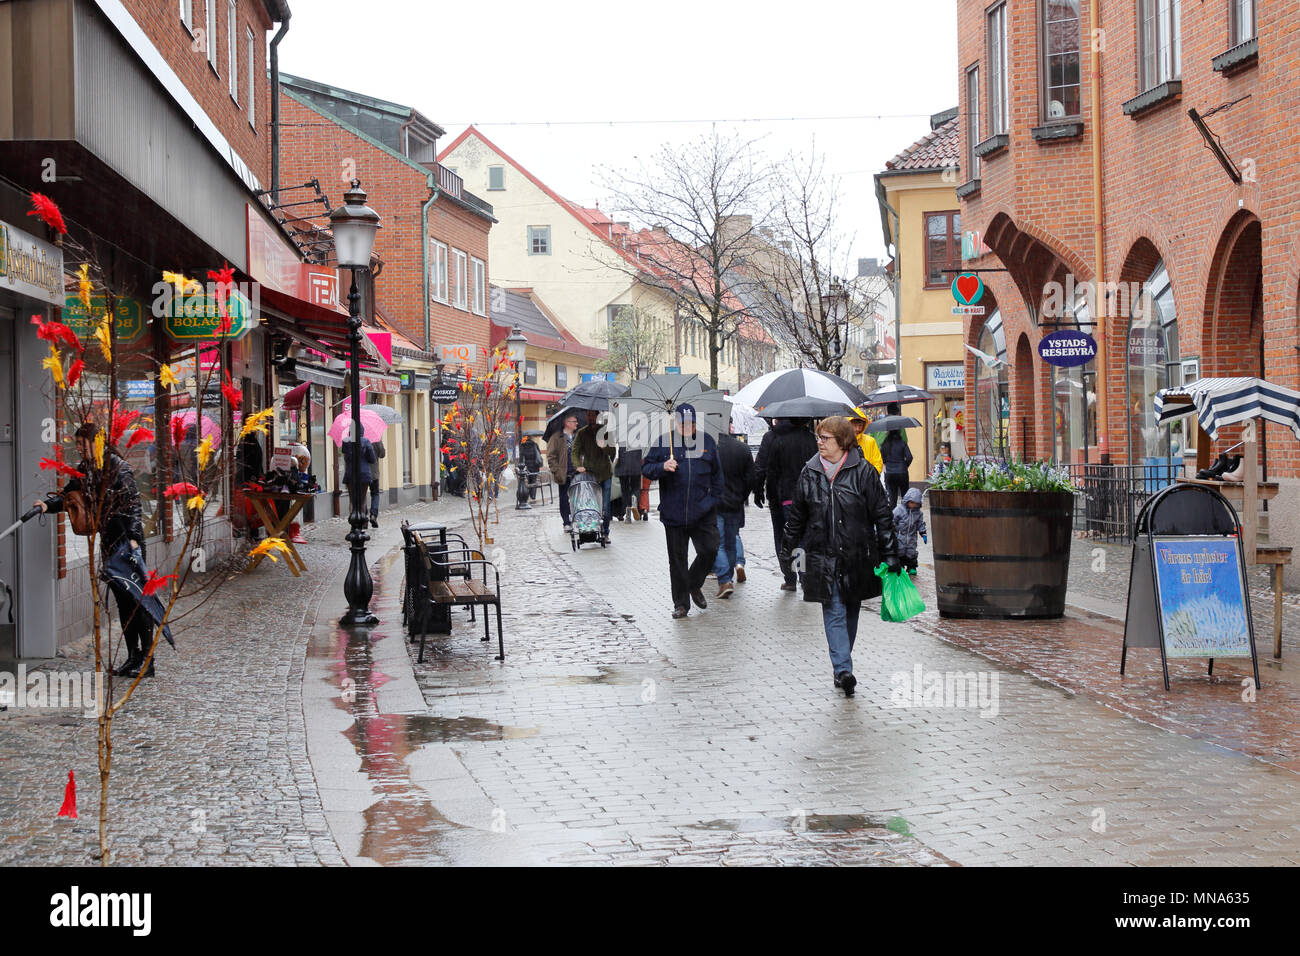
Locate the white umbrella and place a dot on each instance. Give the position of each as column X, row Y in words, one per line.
column 798, row 383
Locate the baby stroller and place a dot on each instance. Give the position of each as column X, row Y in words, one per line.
column 586, row 510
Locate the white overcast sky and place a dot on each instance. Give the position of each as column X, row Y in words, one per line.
column 570, row 86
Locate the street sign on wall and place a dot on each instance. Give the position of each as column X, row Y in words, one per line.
column 191, row 318
column 945, row 377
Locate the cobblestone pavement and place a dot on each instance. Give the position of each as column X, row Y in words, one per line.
column 610, row 724
column 210, row 762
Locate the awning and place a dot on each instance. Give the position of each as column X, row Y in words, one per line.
column 316, row 326
column 317, row 375
column 539, row 395
column 1226, row 401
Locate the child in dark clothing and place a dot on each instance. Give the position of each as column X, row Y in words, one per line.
column 909, row 521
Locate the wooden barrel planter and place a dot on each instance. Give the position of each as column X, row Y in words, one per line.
column 1001, row 554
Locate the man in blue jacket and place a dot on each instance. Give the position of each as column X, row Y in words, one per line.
column 690, row 489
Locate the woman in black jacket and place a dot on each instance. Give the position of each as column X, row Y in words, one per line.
column 120, row 522
column 838, row 529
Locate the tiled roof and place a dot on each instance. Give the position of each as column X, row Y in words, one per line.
column 936, row 150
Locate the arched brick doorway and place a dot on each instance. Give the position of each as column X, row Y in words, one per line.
column 1023, row 399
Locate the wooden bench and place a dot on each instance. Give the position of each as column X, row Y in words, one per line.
column 434, row 535
column 435, row 586
column 1277, row 557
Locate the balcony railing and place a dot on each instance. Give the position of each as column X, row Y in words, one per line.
column 449, row 182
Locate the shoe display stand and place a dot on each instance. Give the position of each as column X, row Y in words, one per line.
column 1245, row 496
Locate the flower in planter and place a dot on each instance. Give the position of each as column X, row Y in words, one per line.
column 1002, row 475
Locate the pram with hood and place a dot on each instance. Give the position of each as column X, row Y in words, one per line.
column 586, row 510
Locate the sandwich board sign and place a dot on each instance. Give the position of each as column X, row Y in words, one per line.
column 1187, row 584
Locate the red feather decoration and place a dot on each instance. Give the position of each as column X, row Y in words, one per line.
column 59, row 466
column 182, row 488
column 155, row 582
column 56, row 332
column 74, row 372
column 46, row 208
column 69, row 808
column 121, row 422
column 138, row 436
column 233, row 395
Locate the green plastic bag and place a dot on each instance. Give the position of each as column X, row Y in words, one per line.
column 900, row 600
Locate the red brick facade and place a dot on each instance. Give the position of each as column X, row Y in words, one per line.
column 186, row 54
column 314, row 146
column 1230, row 250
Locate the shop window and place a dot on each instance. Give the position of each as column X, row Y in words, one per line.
column 1074, row 398
column 992, row 394
column 942, row 248
column 1153, row 364
column 1160, row 55
column 1061, row 52
column 407, row 426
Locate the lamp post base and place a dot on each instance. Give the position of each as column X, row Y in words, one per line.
column 357, row 586
column 358, row 617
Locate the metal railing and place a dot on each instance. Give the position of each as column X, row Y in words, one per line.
column 449, row 182
column 1109, row 497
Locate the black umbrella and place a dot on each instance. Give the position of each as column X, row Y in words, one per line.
column 556, row 422
column 780, row 386
column 806, row 408
column 893, row 423
column 897, row 395
column 594, row 394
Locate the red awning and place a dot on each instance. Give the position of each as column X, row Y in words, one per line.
column 539, row 395
column 322, row 325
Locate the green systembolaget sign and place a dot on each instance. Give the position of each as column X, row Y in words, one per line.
column 189, row 318
column 130, row 317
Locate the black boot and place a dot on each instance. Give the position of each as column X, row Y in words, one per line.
column 135, row 671
column 134, row 659
column 1212, row 473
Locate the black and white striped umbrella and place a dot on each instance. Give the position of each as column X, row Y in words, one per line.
column 897, row 394
column 798, row 383
column 1226, row 401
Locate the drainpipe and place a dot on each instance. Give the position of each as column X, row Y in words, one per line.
column 1098, row 248
column 275, row 106
column 898, row 298
column 436, row 462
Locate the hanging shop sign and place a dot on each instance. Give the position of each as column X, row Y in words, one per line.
column 382, row 384
column 1187, row 592
column 456, row 354
column 29, row 266
column 190, row 318
column 967, row 289
column 1067, row 348
column 444, row 394
column 944, row 378
column 130, row 317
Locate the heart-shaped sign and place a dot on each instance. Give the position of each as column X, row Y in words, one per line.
column 967, row 289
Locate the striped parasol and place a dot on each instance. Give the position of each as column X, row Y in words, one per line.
column 1225, row 401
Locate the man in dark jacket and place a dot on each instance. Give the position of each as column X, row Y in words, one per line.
column 898, row 458
column 357, row 485
column 628, row 471
column 781, row 456
column 531, row 456
column 737, row 478
column 690, row 488
column 839, row 528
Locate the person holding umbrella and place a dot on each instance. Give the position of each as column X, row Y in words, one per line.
column 690, row 489
column 357, row 485
column 840, row 526
column 591, row 453
column 559, row 458
column 898, row 458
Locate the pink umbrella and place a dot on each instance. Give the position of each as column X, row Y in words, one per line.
column 209, row 428
column 372, row 427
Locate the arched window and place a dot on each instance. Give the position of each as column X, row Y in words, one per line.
column 992, row 396
column 1074, row 396
column 1152, row 365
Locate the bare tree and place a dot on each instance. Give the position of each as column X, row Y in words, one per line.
column 703, row 204
column 792, row 276
column 635, row 337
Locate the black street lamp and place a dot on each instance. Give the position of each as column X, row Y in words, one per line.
column 355, row 224
column 517, row 349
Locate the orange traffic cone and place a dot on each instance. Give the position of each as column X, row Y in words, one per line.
column 69, row 808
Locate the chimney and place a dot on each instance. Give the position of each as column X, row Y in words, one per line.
column 868, row 267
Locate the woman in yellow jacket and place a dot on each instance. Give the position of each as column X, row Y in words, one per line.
column 866, row 444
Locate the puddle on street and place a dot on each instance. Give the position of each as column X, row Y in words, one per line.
column 812, row 822
column 607, row 676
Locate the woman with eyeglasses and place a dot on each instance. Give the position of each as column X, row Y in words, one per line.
column 838, row 529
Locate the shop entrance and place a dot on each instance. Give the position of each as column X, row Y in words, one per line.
column 8, row 491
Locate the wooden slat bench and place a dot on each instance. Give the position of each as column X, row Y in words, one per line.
column 436, row 586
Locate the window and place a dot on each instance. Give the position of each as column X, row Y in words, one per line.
column 187, row 14
column 539, row 240
column 561, row 376
column 480, row 282
column 1243, row 20
column 460, row 287
column 973, row 121
column 438, row 271
column 997, row 45
column 1061, row 39
column 211, row 39
column 530, row 371
column 232, row 51
column 1074, row 397
column 1153, row 363
column 992, row 395
column 496, row 177
column 942, row 248
column 1160, row 55
column 252, row 86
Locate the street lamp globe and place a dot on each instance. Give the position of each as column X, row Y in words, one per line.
column 354, row 225
column 517, row 346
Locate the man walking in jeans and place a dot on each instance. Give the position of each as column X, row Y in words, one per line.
column 559, row 458
column 690, row 488
column 737, row 475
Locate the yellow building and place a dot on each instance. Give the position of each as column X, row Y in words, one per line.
column 921, row 218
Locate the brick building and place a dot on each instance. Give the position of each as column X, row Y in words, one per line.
column 1086, row 177
column 430, row 290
